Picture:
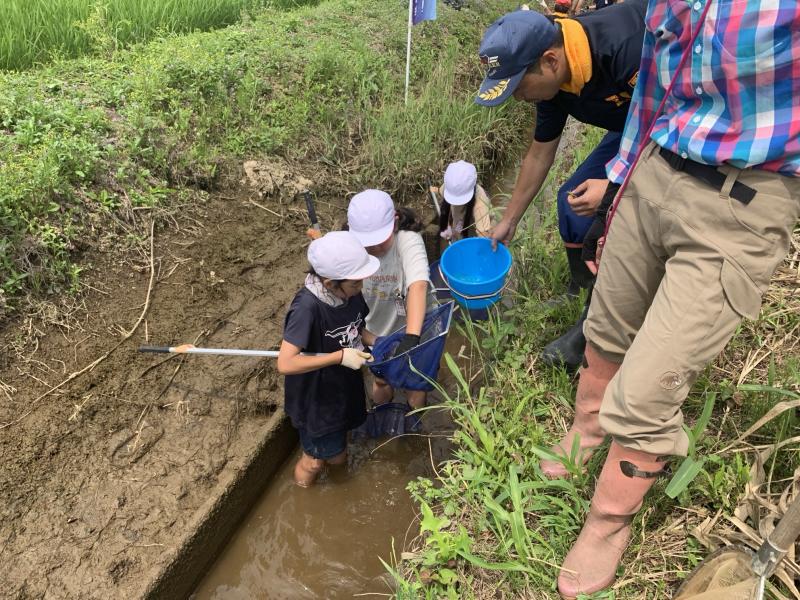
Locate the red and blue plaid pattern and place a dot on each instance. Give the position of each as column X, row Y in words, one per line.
column 737, row 98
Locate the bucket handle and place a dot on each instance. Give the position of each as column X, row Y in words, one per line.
column 468, row 297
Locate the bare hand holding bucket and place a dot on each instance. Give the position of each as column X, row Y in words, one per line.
column 503, row 232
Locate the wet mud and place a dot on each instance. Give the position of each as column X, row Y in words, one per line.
column 103, row 479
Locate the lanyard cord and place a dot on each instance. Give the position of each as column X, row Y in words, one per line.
column 657, row 113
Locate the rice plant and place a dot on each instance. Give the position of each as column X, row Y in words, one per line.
column 36, row 31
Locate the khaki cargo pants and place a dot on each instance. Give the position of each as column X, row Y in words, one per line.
column 682, row 265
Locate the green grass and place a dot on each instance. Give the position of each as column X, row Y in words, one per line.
column 84, row 142
column 492, row 526
column 35, row 31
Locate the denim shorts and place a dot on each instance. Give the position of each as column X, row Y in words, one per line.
column 325, row 446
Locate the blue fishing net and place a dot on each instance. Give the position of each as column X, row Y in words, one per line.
column 425, row 356
column 390, row 419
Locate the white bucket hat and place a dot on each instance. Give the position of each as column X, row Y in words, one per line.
column 370, row 217
column 460, row 179
column 339, row 255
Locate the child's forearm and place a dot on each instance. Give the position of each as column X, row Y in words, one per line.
column 415, row 306
column 368, row 337
column 298, row 364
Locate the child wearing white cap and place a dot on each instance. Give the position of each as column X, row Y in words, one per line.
column 398, row 293
column 324, row 393
column 467, row 208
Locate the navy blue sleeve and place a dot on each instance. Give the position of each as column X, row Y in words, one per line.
column 626, row 64
column 628, row 57
column 550, row 121
column 299, row 322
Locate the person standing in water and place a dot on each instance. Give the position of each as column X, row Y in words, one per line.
column 399, row 291
column 324, row 393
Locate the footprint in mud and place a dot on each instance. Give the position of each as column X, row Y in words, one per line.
column 261, row 389
column 94, row 509
column 127, row 447
column 119, row 568
column 258, row 275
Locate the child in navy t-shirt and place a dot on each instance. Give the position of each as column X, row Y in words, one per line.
column 324, row 390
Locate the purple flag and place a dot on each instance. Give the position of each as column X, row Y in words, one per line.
column 423, row 10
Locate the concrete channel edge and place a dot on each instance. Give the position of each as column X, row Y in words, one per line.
column 221, row 516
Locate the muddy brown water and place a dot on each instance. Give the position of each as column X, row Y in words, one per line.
column 325, row 541
column 328, row 541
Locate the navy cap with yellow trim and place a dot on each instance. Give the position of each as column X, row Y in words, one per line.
column 510, row 45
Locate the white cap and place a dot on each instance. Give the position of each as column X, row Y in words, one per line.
column 339, row 255
column 459, row 182
column 370, row 217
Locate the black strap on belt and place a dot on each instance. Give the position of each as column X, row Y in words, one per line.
column 707, row 174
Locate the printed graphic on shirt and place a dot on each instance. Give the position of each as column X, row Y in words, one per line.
column 347, row 335
column 632, row 81
column 380, row 288
column 619, row 99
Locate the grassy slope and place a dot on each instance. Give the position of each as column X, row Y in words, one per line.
column 492, row 506
column 84, row 142
column 35, row 31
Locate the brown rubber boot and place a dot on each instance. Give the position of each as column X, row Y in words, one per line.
column 592, row 563
column 591, row 386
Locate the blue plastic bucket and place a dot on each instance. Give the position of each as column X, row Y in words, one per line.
column 443, row 294
column 474, row 272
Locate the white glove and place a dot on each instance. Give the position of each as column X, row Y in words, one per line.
column 447, row 233
column 354, row 359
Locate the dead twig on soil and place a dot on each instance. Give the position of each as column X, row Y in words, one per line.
column 79, row 408
column 262, row 207
column 100, row 359
column 753, row 359
column 7, row 389
column 158, row 364
column 776, row 410
column 171, row 379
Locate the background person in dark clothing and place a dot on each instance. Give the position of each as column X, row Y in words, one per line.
column 584, row 67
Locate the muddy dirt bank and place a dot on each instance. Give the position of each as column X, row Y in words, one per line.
column 105, row 480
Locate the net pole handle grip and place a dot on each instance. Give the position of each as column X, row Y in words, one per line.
column 312, row 213
column 156, row 349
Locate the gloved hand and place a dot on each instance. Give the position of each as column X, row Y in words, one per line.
column 594, row 236
column 407, row 343
column 354, row 359
column 447, row 234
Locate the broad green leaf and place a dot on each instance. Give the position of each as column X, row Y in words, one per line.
column 688, row 470
column 705, row 417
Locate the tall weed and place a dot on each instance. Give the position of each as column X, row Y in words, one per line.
column 36, row 31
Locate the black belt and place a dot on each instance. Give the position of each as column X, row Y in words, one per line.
column 708, row 175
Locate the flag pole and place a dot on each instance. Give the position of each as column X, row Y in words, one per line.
column 408, row 47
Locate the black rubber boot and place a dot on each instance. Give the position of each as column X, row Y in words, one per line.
column 567, row 351
column 580, row 277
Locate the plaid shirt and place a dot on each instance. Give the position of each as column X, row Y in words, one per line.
column 737, row 98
